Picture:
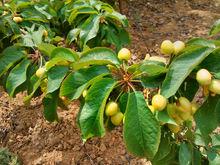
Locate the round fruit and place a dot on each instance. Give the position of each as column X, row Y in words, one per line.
column 159, row 59
column 45, row 33
column 178, row 47
column 111, row 108
column 159, row 102
column 84, row 93
column 40, row 72
column 124, row 54
column 117, row 118
column 203, row 77
column 178, row 120
column 185, row 104
column 167, row 47
column 174, row 128
column 151, row 108
column 185, row 115
column 195, row 107
column 17, row 19
column 171, row 110
column 215, row 86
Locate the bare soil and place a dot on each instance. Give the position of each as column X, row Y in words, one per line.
column 23, row 129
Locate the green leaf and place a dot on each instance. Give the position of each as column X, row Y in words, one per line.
column 74, row 84
column 212, row 62
column 165, row 118
column 118, row 17
column 196, row 157
column 65, row 54
column 214, row 158
column 17, row 76
column 181, row 67
column 46, row 48
column 169, row 159
column 72, row 35
column 55, row 77
column 91, row 115
column 9, row 57
column 163, row 150
column 185, row 152
column 141, row 130
column 209, row 111
column 201, row 42
column 50, row 103
column 152, row 82
column 81, row 10
column 215, row 28
column 189, row 88
column 123, row 102
column 89, row 29
column 36, row 84
column 151, row 68
column 96, row 56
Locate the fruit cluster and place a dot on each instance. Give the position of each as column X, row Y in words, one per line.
column 209, row 84
column 169, row 48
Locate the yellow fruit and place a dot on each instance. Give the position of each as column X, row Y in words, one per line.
column 117, row 118
column 167, row 47
column 178, row 47
column 159, row 59
column 185, row 115
column 185, row 105
column 124, row 54
column 171, row 110
column 151, row 108
column 45, row 33
column 174, row 128
column 204, row 77
column 40, row 72
column 84, row 93
column 195, row 107
column 111, row 108
column 159, row 102
column 178, row 120
column 17, row 19
column 215, row 86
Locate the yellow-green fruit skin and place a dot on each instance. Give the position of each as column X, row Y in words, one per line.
column 195, row 107
column 185, row 104
column 203, row 77
column 171, row 110
column 215, row 86
column 45, row 33
column 117, row 118
column 40, row 72
column 174, row 128
column 84, row 93
column 111, row 108
column 167, row 47
column 159, row 102
column 124, row 54
column 178, row 47
column 17, row 19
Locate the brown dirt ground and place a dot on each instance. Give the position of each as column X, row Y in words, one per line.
column 37, row 142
